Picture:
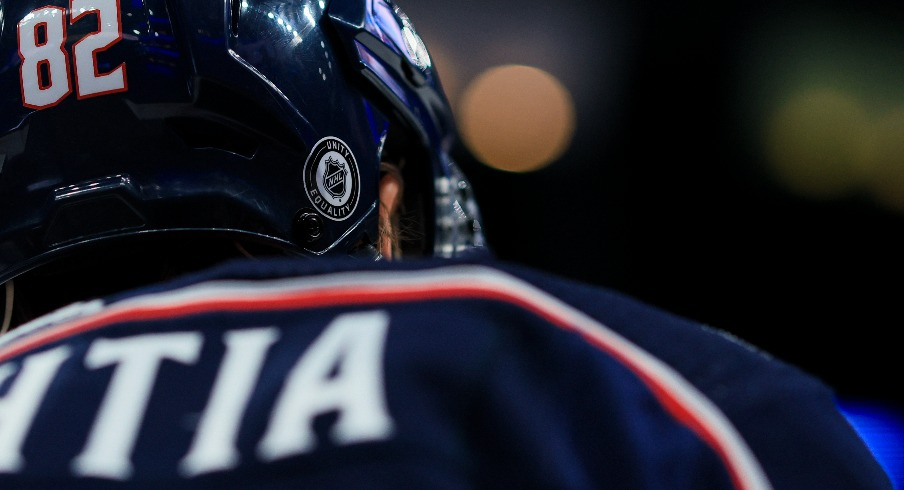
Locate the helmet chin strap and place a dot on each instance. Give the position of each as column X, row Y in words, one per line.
column 8, row 308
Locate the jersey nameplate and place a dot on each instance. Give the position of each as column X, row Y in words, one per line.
column 340, row 371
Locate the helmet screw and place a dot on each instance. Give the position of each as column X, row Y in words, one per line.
column 308, row 226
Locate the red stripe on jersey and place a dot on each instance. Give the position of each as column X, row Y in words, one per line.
column 683, row 401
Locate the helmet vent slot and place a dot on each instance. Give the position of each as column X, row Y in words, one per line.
column 92, row 217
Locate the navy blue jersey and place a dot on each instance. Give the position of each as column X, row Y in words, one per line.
column 416, row 374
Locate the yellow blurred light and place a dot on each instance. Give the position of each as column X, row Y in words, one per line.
column 820, row 143
column 887, row 179
column 516, row 118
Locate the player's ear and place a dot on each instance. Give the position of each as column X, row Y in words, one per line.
column 390, row 198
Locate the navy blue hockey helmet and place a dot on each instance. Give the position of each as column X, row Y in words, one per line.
column 265, row 120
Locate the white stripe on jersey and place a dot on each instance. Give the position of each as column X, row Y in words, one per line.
column 679, row 397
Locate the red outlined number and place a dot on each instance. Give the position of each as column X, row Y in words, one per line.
column 44, row 73
column 88, row 81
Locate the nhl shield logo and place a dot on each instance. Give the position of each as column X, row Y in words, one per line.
column 331, row 179
column 334, row 177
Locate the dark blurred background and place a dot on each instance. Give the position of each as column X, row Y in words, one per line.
column 738, row 163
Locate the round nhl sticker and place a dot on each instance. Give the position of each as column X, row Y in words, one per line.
column 331, row 179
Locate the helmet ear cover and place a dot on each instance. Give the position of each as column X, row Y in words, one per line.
column 397, row 74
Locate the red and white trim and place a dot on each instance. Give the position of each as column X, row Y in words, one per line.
column 678, row 396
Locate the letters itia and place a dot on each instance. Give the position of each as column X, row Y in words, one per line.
column 341, row 371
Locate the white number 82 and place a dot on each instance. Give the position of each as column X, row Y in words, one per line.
column 44, row 73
